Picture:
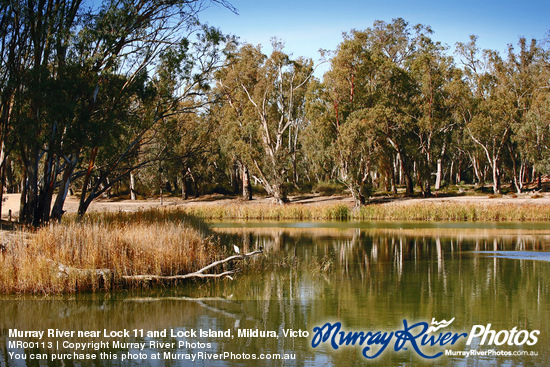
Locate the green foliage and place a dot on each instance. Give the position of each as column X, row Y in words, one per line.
column 263, row 112
column 144, row 88
column 328, row 188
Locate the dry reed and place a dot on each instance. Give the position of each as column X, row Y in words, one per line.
column 470, row 212
column 30, row 261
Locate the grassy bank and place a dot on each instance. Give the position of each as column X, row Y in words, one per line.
column 401, row 212
column 153, row 242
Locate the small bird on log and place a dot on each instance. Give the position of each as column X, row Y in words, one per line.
column 237, row 250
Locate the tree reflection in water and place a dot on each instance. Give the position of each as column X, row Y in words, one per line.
column 368, row 279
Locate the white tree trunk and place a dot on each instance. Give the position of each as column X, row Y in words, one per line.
column 132, row 187
column 438, row 175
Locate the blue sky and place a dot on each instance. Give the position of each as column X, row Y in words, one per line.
column 307, row 25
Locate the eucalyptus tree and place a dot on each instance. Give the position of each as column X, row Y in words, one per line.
column 367, row 108
column 483, row 114
column 177, row 96
column 46, row 100
column 14, row 58
column 539, row 131
column 75, row 70
column 526, row 86
column 433, row 73
column 339, row 117
column 264, row 112
column 533, row 136
column 502, row 91
column 318, row 135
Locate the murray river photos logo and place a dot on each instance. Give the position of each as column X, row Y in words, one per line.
column 421, row 337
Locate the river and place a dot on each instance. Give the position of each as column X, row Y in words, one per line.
column 379, row 277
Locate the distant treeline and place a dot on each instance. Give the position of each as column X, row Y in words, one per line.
column 140, row 96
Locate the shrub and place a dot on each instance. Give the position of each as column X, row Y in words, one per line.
column 329, row 188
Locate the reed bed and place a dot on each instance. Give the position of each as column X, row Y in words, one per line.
column 123, row 244
column 270, row 212
column 469, row 212
column 455, row 212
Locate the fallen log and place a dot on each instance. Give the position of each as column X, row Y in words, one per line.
column 103, row 277
column 64, row 271
column 199, row 273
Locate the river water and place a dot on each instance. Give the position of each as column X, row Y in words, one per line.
column 381, row 278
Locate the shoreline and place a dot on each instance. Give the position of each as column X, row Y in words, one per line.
column 118, row 240
column 11, row 202
column 522, row 208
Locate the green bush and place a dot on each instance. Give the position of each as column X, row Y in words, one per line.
column 329, row 188
column 258, row 190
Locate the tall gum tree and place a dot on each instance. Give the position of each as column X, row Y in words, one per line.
column 179, row 90
column 265, row 108
column 368, row 86
column 68, row 57
column 485, row 118
column 524, row 78
column 431, row 71
column 502, row 91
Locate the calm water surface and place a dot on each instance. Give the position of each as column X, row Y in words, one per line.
column 369, row 277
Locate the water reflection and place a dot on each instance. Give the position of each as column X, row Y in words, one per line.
column 366, row 278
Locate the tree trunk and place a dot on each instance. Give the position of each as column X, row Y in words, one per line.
column 438, row 174
column 46, row 192
column 522, row 171
column 427, row 191
column 195, row 185
column 515, row 173
column 247, row 187
column 235, row 181
column 2, row 184
column 458, row 176
column 358, row 200
column 421, row 183
column 496, row 177
column 28, row 212
column 184, row 188
column 82, row 206
column 3, row 166
column 132, row 187
column 294, row 169
column 393, row 181
column 57, row 210
column 477, row 171
column 23, row 198
column 279, row 195
column 409, row 190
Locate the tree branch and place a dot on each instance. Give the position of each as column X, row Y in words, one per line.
column 199, row 273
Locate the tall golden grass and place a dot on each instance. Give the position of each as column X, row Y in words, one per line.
column 270, row 212
column 470, row 212
column 456, row 212
column 123, row 244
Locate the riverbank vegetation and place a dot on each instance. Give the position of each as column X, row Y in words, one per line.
column 99, row 252
column 422, row 211
column 113, row 250
column 138, row 98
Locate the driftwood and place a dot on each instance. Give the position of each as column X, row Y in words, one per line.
column 64, row 271
column 199, row 273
